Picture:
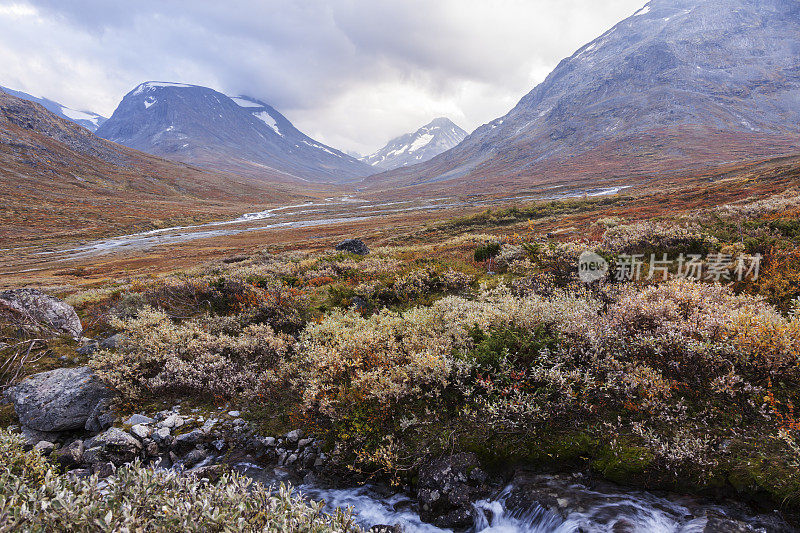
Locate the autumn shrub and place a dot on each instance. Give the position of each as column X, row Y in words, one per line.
column 426, row 281
column 219, row 356
column 658, row 237
column 34, row 497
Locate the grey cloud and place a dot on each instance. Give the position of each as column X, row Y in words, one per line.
column 324, row 64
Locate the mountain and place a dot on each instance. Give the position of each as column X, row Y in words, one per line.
column 201, row 126
column 60, row 181
column 679, row 85
column 430, row 140
column 87, row 119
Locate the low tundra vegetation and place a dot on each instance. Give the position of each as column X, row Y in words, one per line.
column 418, row 350
column 35, row 496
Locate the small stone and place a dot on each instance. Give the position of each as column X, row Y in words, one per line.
column 234, row 414
column 269, row 441
column 137, row 419
column 187, row 440
column 141, row 431
column 163, row 433
column 79, row 473
column 152, row 449
column 291, row 459
column 354, row 246
column 172, row 421
column 103, row 470
column 294, row 436
column 302, row 443
column 194, row 457
column 70, row 455
column 44, row 447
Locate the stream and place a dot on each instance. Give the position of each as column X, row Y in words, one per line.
column 604, row 508
column 331, row 211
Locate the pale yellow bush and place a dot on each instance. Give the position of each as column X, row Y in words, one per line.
column 158, row 355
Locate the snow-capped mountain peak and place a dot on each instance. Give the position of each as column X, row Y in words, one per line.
column 430, row 140
column 87, row 119
column 204, row 127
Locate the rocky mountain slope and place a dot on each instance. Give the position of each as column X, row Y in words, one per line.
column 58, row 179
column 201, row 126
column 87, row 119
column 680, row 84
column 430, row 140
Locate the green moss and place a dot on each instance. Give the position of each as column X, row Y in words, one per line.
column 8, row 416
column 623, row 463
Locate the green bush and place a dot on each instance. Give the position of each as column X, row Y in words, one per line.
column 488, row 251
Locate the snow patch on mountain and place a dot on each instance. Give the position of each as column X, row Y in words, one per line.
column 267, row 119
column 150, row 85
column 245, row 102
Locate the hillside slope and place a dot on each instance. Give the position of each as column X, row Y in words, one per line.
column 680, row 84
column 60, row 180
column 89, row 120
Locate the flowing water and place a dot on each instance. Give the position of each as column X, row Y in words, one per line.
column 609, row 509
column 328, row 212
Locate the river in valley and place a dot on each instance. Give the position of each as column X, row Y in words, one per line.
column 331, row 211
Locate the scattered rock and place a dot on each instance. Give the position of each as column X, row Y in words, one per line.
column 88, row 347
column 444, row 492
column 112, row 342
column 58, row 400
column 115, row 446
column 44, row 447
column 44, row 309
column 234, row 414
column 103, row 470
column 294, row 436
column 354, row 246
column 137, row 419
column 172, row 421
column 71, row 455
column 188, row 440
column 141, row 431
column 101, row 418
column 194, row 457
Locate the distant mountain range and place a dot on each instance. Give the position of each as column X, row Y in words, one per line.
column 678, row 85
column 240, row 134
column 430, row 140
column 87, row 119
column 58, row 179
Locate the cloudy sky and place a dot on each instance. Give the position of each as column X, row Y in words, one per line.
column 350, row 73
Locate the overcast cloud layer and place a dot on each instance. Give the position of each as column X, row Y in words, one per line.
column 350, row 73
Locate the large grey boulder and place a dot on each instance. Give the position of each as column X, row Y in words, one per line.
column 354, row 246
column 58, row 400
column 44, row 310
